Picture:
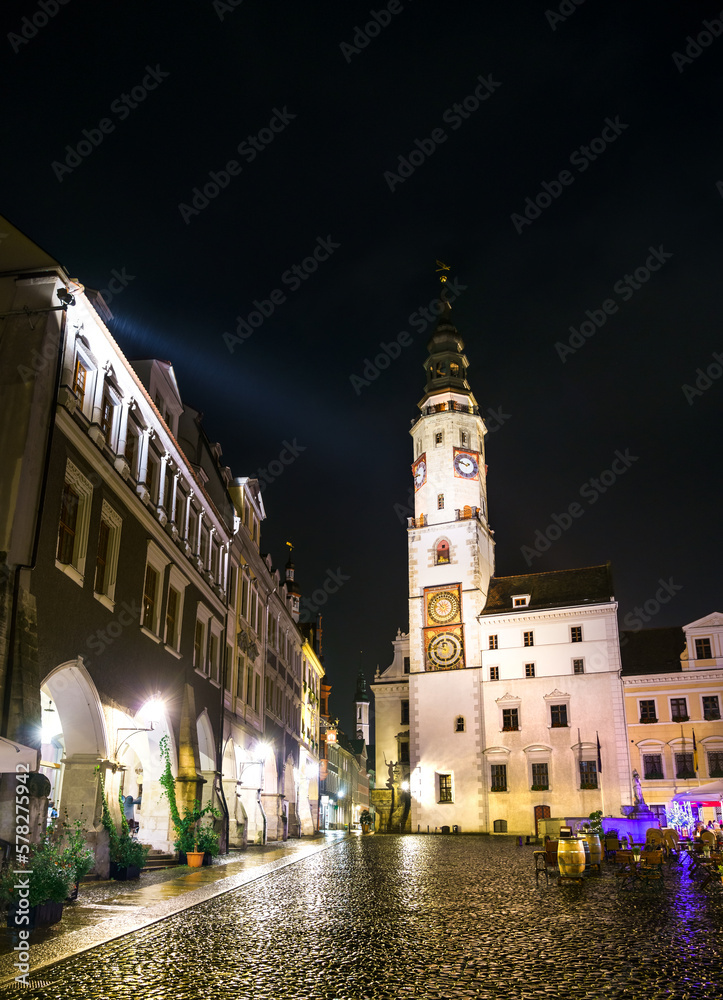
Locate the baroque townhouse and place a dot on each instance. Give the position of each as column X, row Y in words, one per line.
column 673, row 681
column 135, row 609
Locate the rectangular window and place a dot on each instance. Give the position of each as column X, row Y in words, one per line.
column 702, row 649
column 499, row 777
column 588, row 774
column 684, row 765
column 445, row 787
column 510, row 720
column 464, row 438
column 403, row 752
column 204, row 547
column 101, row 559
column 406, row 664
column 493, row 642
column 494, row 673
column 214, row 666
column 528, row 638
column 152, row 479
column 249, row 685
column 576, row 633
column 172, row 616
column 652, row 766
column 529, row 670
column 68, row 522
column 199, row 643
column 715, row 764
column 711, row 707
column 678, row 710
column 132, row 453
column 79, row 382
column 150, row 598
column 540, row 777
column 257, row 691
column 405, row 712
column 440, row 501
column 106, row 419
column 558, row 716
column 438, row 437
column 520, row 602
column 578, row 666
column 647, row 711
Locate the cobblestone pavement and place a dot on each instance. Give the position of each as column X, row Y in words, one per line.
column 415, row 917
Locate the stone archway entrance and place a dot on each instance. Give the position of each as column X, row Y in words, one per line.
column 75, row 739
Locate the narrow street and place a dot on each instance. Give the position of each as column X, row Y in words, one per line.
column 416, row 917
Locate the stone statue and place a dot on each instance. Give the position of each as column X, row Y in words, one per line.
column 638, row 791
column 391, row 765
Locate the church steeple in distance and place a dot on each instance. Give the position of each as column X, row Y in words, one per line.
column 361, row 705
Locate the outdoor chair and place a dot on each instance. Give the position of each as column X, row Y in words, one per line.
column 650, row 871
column 612, row 844
column 543, row 866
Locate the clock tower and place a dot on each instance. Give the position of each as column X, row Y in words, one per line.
column 451, row 548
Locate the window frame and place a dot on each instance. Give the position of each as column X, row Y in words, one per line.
column 561, row 709
column 445, row 787
column 658, row 772
column 494, row 672
column 530, row 670
column 528, row 638
column 701, row 643
column 588, row 767
column 644, row 716
column 497, row 772
column 83, row 490
column 539, row 786
column 675, row 714
column 158, row 560
column 493, row 641
column 578, row 660
column 576, row 633
column 114, row 522
column 511, row 719
column 178, row 582
column 215, row 632
column 708, row 715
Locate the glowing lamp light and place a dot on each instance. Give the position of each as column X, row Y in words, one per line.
column 51, row 724
column 405, row 786
column 262, row 750
column 152, row 712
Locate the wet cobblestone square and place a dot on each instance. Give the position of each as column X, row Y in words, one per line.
column 416, row 917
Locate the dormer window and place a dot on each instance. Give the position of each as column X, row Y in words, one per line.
column 520, row 600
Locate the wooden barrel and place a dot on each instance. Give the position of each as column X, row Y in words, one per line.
column 596, row 852
column 571, row 858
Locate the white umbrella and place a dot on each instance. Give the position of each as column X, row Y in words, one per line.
column 12, row 754
column 712, row 792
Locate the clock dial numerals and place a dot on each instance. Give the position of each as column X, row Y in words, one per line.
column 419, row 471
column 443, row 607
column 466, row 464
column 445, row 649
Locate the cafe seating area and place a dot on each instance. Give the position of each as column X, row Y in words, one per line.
column 632, row 866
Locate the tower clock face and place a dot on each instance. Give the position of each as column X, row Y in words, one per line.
column 443, row 607
column 419, row 471
column 466, row 464
column 445, row 649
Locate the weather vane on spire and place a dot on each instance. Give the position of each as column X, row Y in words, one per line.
column 441, row 266
column 291, row 547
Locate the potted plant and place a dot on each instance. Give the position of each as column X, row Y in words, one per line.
column 70, row 839
column 36, row 898
column 127, row 855
column 207, row 840
column 366, row 820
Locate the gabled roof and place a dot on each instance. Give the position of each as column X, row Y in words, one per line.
column 652, row 651
column 560, row 588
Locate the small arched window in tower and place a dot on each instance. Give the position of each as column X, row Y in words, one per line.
column 442, row 554
column 440, row 501
column 459, row 724
column 454, row 369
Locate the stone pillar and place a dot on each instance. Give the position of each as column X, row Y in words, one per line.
column 160, row 506
column 144, row 442
column 95, row 432
column 174, row 500
column 121, row 463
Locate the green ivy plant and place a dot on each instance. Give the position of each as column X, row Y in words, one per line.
column 70, row 839
column 189, row 835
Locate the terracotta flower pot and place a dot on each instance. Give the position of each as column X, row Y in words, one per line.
column 194, row 859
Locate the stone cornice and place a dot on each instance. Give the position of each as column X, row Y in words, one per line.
column 551, row 614
column 677, row 678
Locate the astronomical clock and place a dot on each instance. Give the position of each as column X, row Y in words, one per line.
column 466, row 464
column 443, row 632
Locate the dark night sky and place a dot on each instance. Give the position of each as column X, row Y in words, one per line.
column 323, row 176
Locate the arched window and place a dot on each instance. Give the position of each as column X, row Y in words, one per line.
column 459, row 724
column 442, row 553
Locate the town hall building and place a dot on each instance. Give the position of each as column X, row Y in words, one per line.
column 503, row 704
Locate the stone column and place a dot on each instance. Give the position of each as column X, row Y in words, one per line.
column 121, row 463
column 144, row 443
column 160, row 509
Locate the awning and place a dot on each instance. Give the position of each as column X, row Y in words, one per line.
column 12, row 754
column 712, row 791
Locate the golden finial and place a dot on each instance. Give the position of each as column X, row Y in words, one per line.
column 442, row 267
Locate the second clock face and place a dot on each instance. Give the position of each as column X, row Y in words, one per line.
column 466, row 464
column 443, row 607
column 445, row 649
column 419, row 471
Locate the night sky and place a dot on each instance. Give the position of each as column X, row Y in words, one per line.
column 315, row 104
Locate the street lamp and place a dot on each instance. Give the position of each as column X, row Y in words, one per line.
column 151, row 712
